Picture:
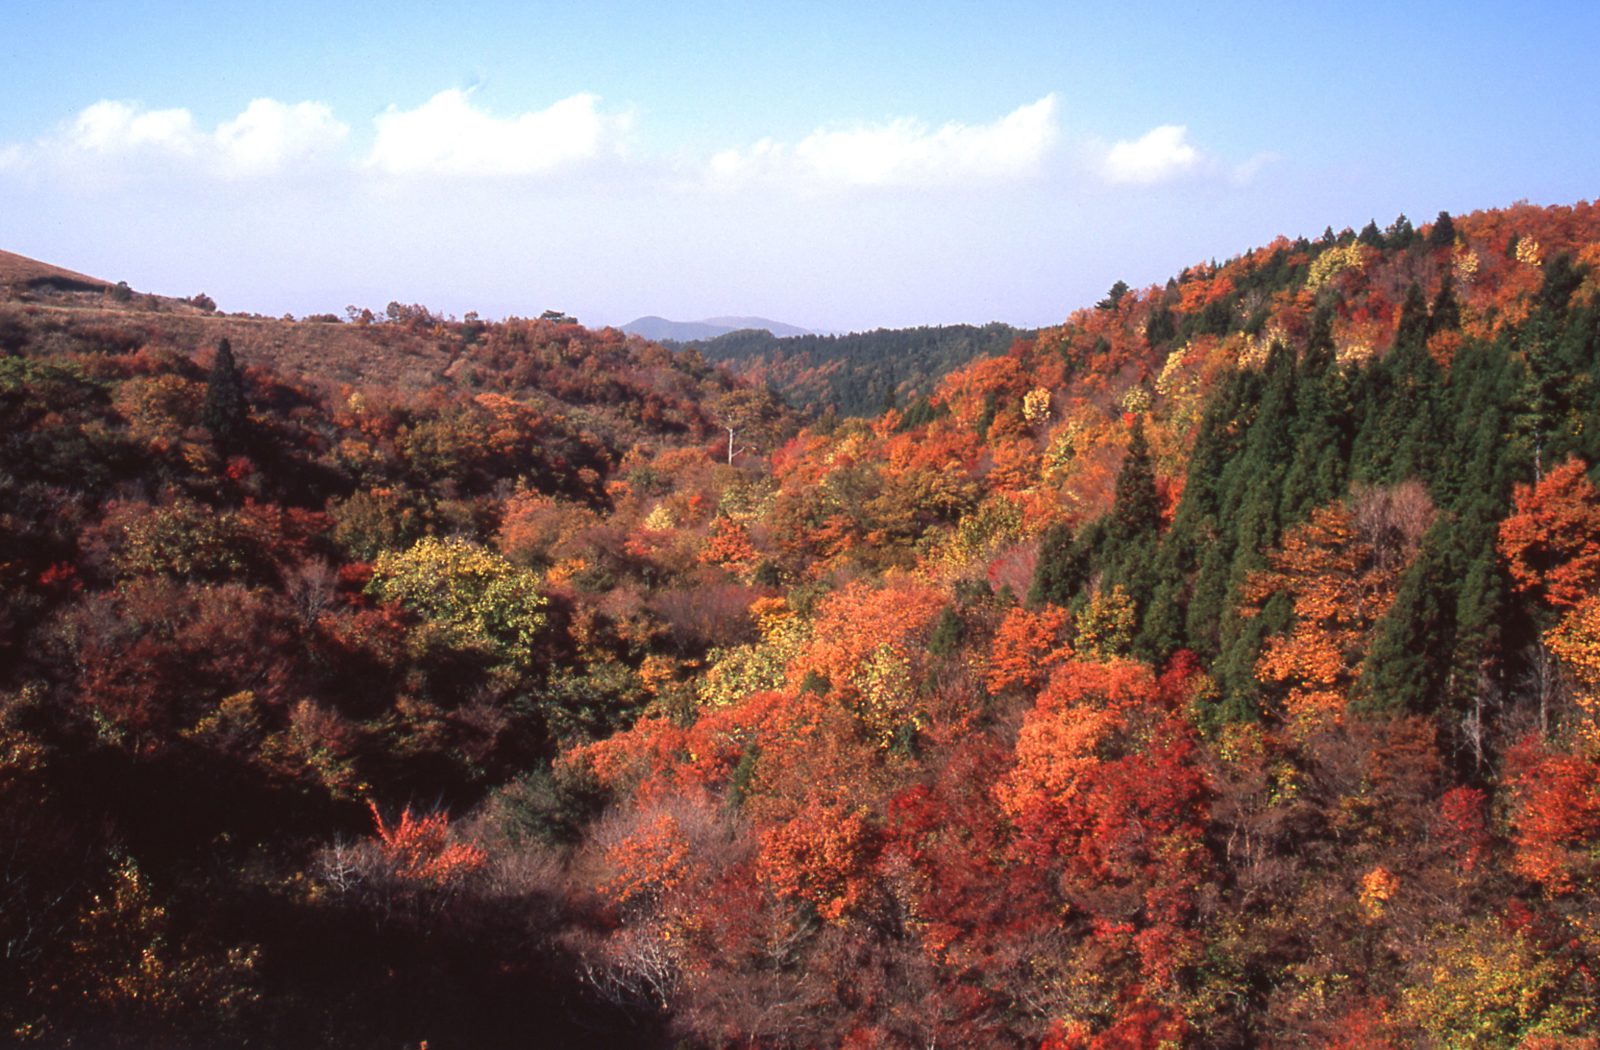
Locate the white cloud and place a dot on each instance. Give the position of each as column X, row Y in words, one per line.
column 1162, row 153
column 446, row 135
column 449, row 135
column 269, row 135
column 452, row 136
column 119, row 139
column 903, row 152
column 121, row 127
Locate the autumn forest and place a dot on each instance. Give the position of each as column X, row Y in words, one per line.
column 1219, row 668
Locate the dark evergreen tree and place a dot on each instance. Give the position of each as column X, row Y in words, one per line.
column 1558, row 356
column 1561, row 279
column 1239, row 697
column 1443, row 233
column 1413, row 329
column 1400, row 233
column 1192, row 565
column 1249, row 522
column 225, row 412
column 1128, row 554
column 1136, row 511
column 1398, row 407
column 1162, row 629
column 1160, row 327
column 1114, row 297
column 1318, row 471
column 947, row 632
column 1413, row 643
column 1064, row 564
column 1477, row 657
column 1446, row 313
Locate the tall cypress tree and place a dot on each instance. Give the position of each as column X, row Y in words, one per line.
column 1412, row 644
column 1192, row 564
column 1129, row 555
column 1251, row 512
column 1446, row 313
column 1413, row 330
column 1062, row 569
column 1321, row 427
column 1136, row 512
column 225, row 412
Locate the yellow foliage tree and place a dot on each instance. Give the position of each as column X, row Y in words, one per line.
column 478, row 598
column 1036, row 405
column 1576, row 642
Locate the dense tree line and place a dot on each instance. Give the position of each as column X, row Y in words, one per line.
column 859, row 374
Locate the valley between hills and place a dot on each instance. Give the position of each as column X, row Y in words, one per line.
column 1219, row 667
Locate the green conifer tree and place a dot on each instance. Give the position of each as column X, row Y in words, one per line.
column 1406, row 664
column 1136, row 511
column 1446, row 313
column 1443, row 233
column 1062, row 568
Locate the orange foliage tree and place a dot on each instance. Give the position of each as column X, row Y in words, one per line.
column 868, row 645
column 1027, row 647
column 1576, row 641
column 1341, row 569
column 728, row 544
column 1551, row 540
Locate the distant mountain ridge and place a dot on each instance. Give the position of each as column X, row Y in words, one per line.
column 659, row 328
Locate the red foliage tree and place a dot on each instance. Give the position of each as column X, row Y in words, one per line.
column 1107, row 793
column 823, row 856
column 421, row 848
column 1555, row 817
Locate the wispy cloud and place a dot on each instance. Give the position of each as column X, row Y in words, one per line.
column 1245, row 173
column 1160, row 154
column 904, row 152
column 448, row 135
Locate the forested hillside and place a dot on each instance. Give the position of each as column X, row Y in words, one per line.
column 860, row 374
column 1218, row 668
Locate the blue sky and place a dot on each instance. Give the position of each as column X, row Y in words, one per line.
column 835, row 165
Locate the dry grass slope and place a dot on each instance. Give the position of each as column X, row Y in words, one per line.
column 79, row 307
column 21, row 272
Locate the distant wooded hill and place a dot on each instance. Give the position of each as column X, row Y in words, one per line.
column 861, row 373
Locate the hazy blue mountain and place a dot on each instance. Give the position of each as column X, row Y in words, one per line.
column 777, row 328
column 659, row 328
